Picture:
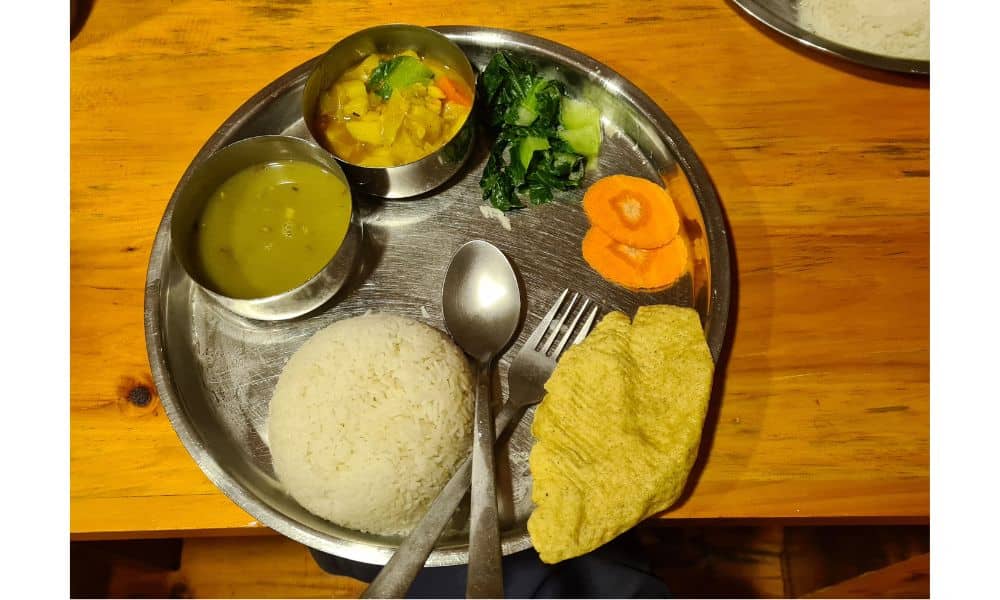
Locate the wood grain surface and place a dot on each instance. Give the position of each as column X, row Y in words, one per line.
column 694, row 561
column 910, row 578
column 822, row 167
column 228, row 567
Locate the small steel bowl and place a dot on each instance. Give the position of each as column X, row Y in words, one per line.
column 222, row 165
column 415, row 178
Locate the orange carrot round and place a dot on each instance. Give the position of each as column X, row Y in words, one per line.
column 632, row 210
column 632, row 268
column 452, row 91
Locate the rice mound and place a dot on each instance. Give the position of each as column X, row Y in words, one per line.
column 898, row 28
column 369, row 419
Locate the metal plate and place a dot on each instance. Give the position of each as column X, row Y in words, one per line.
column 215, row 371
column 782, row 16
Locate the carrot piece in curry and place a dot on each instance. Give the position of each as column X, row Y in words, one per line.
column 452, row 91
column 632, row 210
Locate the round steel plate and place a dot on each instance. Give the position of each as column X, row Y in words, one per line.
column 215, row 371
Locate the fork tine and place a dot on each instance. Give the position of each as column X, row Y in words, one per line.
column 569, row 330
column 555, row 330
column 585, row 329
column 536, row 335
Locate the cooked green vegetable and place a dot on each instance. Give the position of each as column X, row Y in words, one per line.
column 543, row 138
column 516, row 95
column 584, row 140
column 528, row 146
column 581, row 126
column 397, row 73
column 574, row 114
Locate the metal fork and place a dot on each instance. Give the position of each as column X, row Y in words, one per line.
column 526, row 379
column 537, row 358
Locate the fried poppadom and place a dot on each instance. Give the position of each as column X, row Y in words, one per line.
column 618, row 430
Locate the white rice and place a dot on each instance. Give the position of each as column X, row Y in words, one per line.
column 899, row 28
column 495, row 213
column 369, row 419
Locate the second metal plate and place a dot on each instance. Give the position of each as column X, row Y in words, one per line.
column 782, row 16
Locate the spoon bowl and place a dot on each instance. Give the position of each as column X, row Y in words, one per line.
column 481, row 300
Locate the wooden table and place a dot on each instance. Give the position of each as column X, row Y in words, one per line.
column 822, row 168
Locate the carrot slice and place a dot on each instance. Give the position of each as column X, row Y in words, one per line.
column 452, row 91
column 637, row 269
column 632, row 210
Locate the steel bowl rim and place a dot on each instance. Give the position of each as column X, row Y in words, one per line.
column 769, row 18
column 716, row 232
column 265, row 300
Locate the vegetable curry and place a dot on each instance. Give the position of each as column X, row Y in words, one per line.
column 393, row 110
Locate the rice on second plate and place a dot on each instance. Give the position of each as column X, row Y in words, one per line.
column 888, row 27
column 369, row 419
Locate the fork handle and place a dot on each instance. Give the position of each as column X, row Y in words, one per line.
column 485, row 575
column 398, row 574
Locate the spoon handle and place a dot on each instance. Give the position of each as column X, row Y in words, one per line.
column 485, row 579
column 398, row 574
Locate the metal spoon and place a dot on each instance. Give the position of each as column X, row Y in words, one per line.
column 482, row 303
column 482, row 308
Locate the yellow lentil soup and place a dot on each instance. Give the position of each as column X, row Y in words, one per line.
column 270, row 228
column 390, row 110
